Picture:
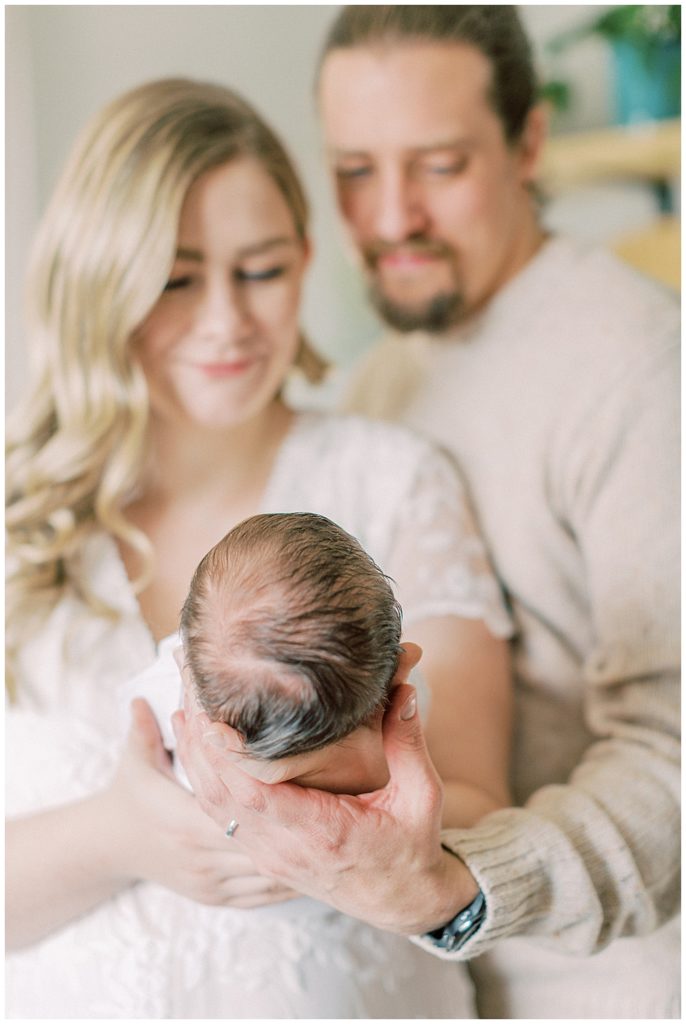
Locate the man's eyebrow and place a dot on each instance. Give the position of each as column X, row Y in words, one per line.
column 197, row 256
column 463, row 142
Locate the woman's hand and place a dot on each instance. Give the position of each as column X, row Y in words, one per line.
column 65, row 861
column 377, row 857
column 163, row 836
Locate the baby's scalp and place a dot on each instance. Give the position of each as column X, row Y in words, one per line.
column 292, row 633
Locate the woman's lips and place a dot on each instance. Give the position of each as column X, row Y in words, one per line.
column 225, row 369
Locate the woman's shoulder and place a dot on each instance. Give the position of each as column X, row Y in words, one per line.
column 357, row 433
column 359, row 472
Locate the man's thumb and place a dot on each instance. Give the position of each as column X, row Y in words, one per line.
column 403, row 738
column 413, row 775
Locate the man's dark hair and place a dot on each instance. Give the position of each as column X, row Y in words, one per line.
column 495, row 30
column 291, row 633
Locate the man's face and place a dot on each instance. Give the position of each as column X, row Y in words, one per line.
column 433, row 195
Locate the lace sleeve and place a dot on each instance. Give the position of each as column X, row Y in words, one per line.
column 437, row 557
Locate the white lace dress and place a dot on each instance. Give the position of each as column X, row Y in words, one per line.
column 148, row 953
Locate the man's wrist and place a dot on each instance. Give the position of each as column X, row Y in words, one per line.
column 462, row 923
column 457, row 890
column 456, row 932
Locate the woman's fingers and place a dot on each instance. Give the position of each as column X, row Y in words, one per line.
column 145, row 739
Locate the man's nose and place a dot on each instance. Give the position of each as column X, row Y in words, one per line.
column 399, row 211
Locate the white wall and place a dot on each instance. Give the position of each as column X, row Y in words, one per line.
column 65, row 62
column 21, row 197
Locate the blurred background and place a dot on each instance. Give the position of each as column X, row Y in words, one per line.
column 610, row 73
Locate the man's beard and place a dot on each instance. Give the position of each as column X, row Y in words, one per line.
column 439, row 313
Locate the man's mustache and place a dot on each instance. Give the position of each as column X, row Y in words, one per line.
column 411, row 247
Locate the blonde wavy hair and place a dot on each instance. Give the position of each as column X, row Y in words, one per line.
column 101, row 259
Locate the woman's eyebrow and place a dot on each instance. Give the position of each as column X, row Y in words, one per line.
column 268, row 243
column 189, row 254
column 197, row 256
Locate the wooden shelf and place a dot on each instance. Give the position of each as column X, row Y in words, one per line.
column 647, row 152
column 656, row 251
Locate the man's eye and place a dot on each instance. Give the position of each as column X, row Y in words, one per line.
column 446, row 167
column 260, row 275
column 175, row 283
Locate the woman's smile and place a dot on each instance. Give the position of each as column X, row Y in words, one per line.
column 229, row 314
column 223, row 368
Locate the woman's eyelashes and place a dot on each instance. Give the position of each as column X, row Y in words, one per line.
column 176, row 283
column 240, row 276
column 256, row 276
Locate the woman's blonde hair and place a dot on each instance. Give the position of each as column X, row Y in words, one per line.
column 101, row 259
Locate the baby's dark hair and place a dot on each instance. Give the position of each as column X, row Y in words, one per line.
column 291, row 633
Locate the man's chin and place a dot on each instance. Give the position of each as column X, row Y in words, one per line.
column 439, row 314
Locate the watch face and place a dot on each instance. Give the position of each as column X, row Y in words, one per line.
column 455, row 933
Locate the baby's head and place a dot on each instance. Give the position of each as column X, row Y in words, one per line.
column 292, row 636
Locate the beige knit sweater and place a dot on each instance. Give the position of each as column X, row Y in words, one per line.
column 560, row 403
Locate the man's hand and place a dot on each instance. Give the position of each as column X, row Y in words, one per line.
column 377, row 857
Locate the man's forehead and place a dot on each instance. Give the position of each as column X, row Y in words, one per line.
column 429, row 92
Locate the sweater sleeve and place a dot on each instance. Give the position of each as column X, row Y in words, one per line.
column 597, row 858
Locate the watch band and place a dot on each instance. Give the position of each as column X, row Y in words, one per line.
column 455, row 933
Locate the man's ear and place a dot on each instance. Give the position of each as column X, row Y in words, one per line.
column 532, row 141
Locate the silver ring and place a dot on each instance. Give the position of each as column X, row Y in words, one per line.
column 231, row 828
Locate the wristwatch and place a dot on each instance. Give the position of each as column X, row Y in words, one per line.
column 454, row 934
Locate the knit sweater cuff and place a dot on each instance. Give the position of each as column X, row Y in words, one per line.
column 501, row 853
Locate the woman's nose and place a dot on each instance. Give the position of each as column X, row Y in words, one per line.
column 223, row 313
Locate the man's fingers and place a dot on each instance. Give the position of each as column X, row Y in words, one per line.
column 413, row 775
column 410, row 655
column 210, row 791
column 224, row 745
column 221, row 740
column 285, row 805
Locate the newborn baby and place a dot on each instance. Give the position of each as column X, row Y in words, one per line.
column 291, row 634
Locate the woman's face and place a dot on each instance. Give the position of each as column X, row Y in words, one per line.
column 217, row 344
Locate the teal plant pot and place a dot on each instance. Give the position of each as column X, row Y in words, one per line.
column 647, row 82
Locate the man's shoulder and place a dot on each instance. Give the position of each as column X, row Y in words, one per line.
column 589, row 283
column 380, row 383
column 579, row 313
